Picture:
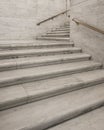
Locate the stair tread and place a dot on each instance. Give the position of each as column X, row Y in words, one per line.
column 37, row 43
column 61, row 29
column 46, row 83
column 40, row 59
column 45, row 70
column 37, row 50
column 59, row 38
column 16, row 41
column 58, row 32
column 22, row 42
column 40, row 115
column 54, row 38
column 55, row 35
column 34, row 91
column 93, row 120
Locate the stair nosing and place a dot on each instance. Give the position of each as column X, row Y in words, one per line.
column 47, row 122
column 17, row 65
column 51, row 93
column 38, row 53
column 11, row 46
column 37, row 77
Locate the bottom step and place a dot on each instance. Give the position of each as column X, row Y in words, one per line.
column 93, row 120
column 46, row 113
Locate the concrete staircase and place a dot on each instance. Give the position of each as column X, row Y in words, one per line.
column 46, row 82
column 61, row 33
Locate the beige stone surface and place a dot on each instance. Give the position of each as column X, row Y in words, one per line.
column 18, row 19
column 91, row 12
column 33, row 43
column 9, row 64
column 37, row 115
column 34, row 91
column 18, row 76
column 38, row 52
column 91, row 121
column 54, row 38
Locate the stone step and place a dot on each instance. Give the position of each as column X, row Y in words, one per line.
column 10, row 64
column 26, row 42
column 38, row 52
column 61, row 29
column 28, row 92
column 93, row 120
column 54, row 38
column 17, row 41
column 58, row 32
column 8, row 78
column 55, row 35
column 46, row 113
column 37, row 45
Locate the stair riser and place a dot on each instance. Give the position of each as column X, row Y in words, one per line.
column 35, row 47
column 38, row 54
column 45, row 76
column 55, row 35
column 28, row 65
column 53, row 39
column 64, row 27
column 58, row 33
column 42, row 96
column 61, row 29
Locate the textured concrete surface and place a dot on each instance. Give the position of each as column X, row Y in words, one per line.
column 91, row 121
column 28, row 92
column 37, row 115
column 18, row 76
column 58, row 91
column 18, row 19
column 91, row 12
column 58, row 32
column 54, row 38
column 9, row 64
column 23, row 44
column 56, row 35
column 6, row 54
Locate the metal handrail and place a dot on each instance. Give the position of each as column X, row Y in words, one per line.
column 77, row 21
column 52, row 17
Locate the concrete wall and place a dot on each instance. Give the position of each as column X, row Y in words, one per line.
column 92, row 12
column 18, row 18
